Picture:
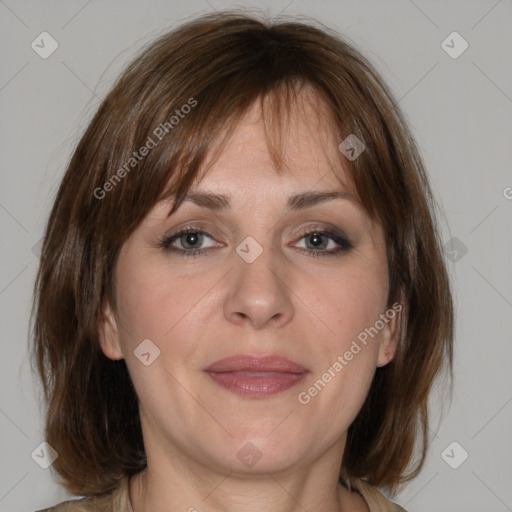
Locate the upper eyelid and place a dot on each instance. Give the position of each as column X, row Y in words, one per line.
column 318, row 226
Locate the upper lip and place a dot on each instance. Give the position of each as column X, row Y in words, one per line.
column 251, row 363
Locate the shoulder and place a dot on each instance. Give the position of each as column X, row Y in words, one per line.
column 76, row 505
column 116, row 501
column 375, row 500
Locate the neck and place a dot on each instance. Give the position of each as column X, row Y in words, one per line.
column 189, row 486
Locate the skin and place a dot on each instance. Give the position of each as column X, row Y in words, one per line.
column 199, row 309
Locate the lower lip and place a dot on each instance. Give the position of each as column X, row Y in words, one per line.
column 257, row 386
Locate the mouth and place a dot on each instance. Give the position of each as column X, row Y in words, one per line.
column 256, row 376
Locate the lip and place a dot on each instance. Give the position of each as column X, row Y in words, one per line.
column 256, row 376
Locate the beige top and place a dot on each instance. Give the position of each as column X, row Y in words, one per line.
column 119, row 500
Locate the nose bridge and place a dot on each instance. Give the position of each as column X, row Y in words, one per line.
column 256, row 262
column 259, row 293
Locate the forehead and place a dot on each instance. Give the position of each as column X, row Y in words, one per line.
column 306, row 137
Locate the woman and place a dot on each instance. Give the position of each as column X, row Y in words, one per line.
column 242, row 302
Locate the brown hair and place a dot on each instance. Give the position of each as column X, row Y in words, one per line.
column 219, row 64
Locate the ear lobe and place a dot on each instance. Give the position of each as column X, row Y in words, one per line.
column 109, row 334
column 389, row 335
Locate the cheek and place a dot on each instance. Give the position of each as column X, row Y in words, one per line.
column 151, row 301
column 146, row 312
column 159, row 304
column 351, row 302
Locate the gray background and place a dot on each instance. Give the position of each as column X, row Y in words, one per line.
column 460, row 112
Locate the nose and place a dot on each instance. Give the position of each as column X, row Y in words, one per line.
column 258, row 292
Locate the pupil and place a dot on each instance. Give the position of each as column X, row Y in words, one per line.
column 191, row 238
column 316, row 239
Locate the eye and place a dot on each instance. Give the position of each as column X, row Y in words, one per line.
column 320, row 240
column 317, row 242
column 189, row 238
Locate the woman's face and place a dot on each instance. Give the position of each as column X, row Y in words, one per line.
column 257, row 290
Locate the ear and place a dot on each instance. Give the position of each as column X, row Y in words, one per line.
column 109, row 334
column 389, row 335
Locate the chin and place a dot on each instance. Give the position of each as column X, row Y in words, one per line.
column 262, row 450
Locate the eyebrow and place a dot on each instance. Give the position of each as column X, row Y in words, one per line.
column 299, row 201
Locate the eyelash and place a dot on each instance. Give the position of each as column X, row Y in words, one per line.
column 165, row 243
